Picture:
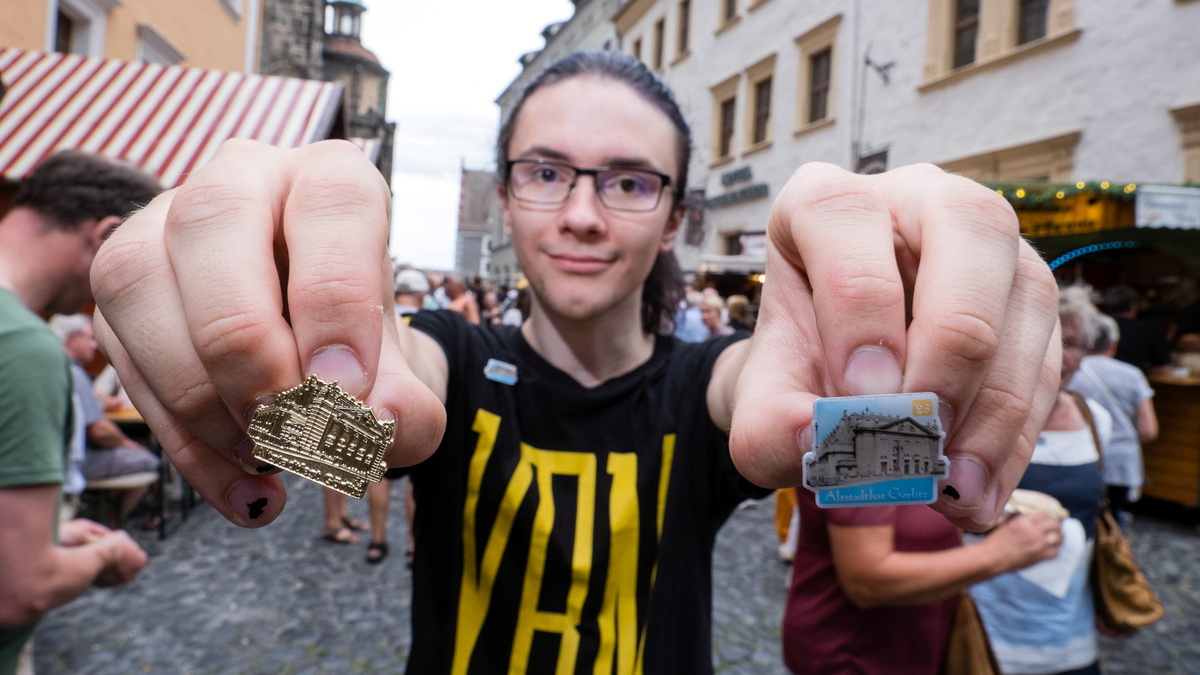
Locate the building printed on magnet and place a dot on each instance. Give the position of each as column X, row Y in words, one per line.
column 866, row 447
column 320, row 432
column 875, row 450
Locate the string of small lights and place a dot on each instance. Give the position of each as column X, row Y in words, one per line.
column 1033, row 194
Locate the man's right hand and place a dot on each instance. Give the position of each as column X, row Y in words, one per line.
column 124, row 559
column 266, row 266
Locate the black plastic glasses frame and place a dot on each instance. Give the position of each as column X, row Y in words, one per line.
column 594, row 173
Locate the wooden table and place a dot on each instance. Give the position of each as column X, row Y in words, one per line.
column 1173, row 459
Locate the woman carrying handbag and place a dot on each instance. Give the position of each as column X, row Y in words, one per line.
column 1041, row 620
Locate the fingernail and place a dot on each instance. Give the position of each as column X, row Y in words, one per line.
column 244, row 454
column 967, row 482
column 259, row 402
column 248, row 503
column 339, row 363
column 873, row 370
column 989, row 513
column 945, row 418
column 804, row 438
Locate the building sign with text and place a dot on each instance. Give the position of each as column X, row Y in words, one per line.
column 1170, row 207
column 1081, row 213
column 741, row 194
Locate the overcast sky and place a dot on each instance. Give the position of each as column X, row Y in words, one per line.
column 449, row 61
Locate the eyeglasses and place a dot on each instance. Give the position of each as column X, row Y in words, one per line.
column 539, row 181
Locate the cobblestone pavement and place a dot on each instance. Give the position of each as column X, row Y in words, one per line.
column 219, row 600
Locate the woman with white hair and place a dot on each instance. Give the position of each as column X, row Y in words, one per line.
column 1041, row 620
column 1126, row 394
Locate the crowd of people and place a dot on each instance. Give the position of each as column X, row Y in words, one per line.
column 571, row 446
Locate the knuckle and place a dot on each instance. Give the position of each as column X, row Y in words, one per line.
column 985, row 212
column 1004, row 409
column 330, row 194
column 851, row 283
column 230, row 334
column 335, row 290
column 967, row 335
column 840, row 194
column 209, row 198
column 118, row 265
column 193, row 398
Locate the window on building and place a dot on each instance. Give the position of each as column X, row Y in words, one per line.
column 728, row 10
column 685, row 27
column 724, row 114
column 1187, row 118
column 637, row 49
column 234, row 7
column 728, row 112
column 966, row 31
column 733, row 243
column 64, row 34
column 1032, row 20
column 154, row 48
column 816, row 91
column 79, row 26
column 762, row 111
column 660, row 31
column 820, row 67
column 759, row 101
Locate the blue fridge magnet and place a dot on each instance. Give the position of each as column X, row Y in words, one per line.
column 876, row 450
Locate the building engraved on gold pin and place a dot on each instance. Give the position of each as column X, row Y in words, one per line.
column 318, row 431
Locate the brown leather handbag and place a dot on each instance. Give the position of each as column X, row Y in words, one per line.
column 968, row 650
column 1125, row 601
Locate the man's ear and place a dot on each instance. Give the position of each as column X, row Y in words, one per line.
column 100, row 230
column 678, row 213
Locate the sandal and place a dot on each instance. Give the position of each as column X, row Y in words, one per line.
column 376, row 552
column 342, row 535
column 356, row 525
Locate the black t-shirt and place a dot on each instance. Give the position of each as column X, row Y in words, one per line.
column 547, row 532
column 1141, row 344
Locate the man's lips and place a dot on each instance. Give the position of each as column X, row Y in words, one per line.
column 581, row 262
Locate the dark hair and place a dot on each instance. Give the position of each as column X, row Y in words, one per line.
column 663, row 288
column 1120, row 299
column 73, row 186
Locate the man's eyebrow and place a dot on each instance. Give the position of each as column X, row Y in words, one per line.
column 616, row 162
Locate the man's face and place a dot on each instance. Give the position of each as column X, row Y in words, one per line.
column 583, row 259
column 711, row 316
column 1074, row 347
column 79, row 251
column 81, row 346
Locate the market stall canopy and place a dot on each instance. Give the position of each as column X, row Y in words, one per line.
column 1067, row 221
column 167, row 120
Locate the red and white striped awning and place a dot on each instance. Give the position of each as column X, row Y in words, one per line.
column 167, row 120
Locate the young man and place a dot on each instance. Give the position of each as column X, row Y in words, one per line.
column 566, row 520
column 69, row 205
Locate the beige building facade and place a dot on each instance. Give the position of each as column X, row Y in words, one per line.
column 217, row 34
column 998, row 90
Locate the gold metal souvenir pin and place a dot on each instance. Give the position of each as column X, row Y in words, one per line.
column 318, row 431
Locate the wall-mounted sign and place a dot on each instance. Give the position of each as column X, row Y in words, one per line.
column 1173, row 207
column 1074, row 214
column 737, row 175
column 876, row 162
column 753, row 244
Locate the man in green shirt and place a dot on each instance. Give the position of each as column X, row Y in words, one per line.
column 65, row 209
